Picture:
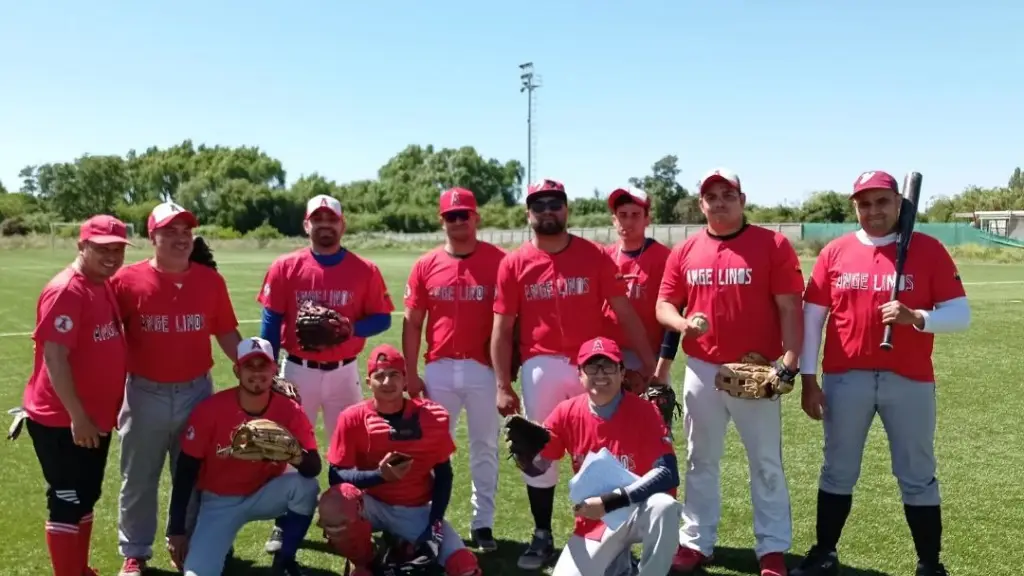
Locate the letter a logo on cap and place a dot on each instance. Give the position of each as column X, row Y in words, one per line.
column 456, row 199
column 323, row 202
column 865, row 177
column 598, row 346
column 255, row 346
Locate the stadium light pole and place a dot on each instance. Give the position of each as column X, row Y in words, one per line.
column 529, row 83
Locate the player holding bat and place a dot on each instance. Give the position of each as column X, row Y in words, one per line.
column 849, row 295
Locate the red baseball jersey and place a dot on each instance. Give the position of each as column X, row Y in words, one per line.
column 363, row 438
column 210, row 428
column 169, row 319
column 635, row 434
column 559, row 298
column 852, row 280
column 734, row 282
column 640, row 277
column 458, row 296
column 81, row 316
column 354, row 288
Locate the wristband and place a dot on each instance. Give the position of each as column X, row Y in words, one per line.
column 615, row 500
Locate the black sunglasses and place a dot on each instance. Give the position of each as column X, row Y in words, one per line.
column 548, row 204
column 456, row 215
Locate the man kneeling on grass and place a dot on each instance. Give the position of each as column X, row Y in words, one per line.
column 234, row 492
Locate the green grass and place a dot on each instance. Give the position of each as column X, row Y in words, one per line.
column 978, row 444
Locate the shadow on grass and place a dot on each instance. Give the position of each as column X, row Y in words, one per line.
column 744, row 561
column 240, row 566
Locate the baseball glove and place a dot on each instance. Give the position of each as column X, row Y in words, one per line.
column 262, row 439
column 525, row 440
column 634, row 382
column 286, row 388
column 754, row 377
column 319, row 327
column 664, row 399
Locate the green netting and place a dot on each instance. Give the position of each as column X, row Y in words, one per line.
column 948, row 234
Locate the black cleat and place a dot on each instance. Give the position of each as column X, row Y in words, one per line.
column 818, row 562
column 926, row 570
column 484, row 539
column 541, row 550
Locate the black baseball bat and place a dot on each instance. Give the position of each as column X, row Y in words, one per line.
column 904, row 231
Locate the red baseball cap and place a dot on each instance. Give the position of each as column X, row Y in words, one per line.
column 637, row 195
column 164, row 214
column 546, row 185
column 254, row 346
column 385, row 357
column 456, row 199
column 721, row 175
column 875, row 180
column 104, row 229
column 323, row 202
column 599, row 346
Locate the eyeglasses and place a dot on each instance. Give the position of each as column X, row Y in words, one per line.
column 550, row 204
column 456, row 215
column 605, row 368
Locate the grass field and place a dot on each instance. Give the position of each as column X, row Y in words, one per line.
column 979, row 443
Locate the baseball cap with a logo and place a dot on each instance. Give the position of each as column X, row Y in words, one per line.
column 455, row 199
column 874, row 180
column 599, row 346
column 251, row 347
column 721, row 175
column 637, row 195
column 164, row 214
column 103, row 229
column 323, row 202
column 385, row 357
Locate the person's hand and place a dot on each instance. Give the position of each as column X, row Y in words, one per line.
column 508, row 401
column 896, row 312
column 812, row 399
column 85, row 433
column 177, row 547
column 691, row 327
column 592, row 508
column 393, row 472
column 414, row 385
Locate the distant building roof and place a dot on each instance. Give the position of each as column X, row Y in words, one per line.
column 991, row 214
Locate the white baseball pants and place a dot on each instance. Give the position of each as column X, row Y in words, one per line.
column 327, row 391
column 458, row 384
column 546, row 381
column 706, row 415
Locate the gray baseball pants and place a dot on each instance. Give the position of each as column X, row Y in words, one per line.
column 907, row 410
column 150, row 425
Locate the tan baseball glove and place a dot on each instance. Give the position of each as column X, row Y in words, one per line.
column 286, row 388
column 265, row 440
column 754, row 377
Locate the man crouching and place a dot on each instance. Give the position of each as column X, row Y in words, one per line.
column 232, row 491
column 390, row 470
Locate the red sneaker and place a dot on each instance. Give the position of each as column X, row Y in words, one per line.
column 132, row 567
column 687, row 560
column 773, row 565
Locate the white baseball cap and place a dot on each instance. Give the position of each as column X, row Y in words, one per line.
column 255, row 346
column 723, row 175
column 164, row 213
column 321, row 201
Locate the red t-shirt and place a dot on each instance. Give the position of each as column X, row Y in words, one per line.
column 169, row 319
column 734, row 282
column 641, row 278
column 458, row 296
column 354, row 288
column 363, row 438
column 635, row 434
column 852, row 280
column 210, row 428
column 559, row 298
column 82, row 316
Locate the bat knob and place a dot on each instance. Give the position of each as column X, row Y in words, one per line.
column 885, row 346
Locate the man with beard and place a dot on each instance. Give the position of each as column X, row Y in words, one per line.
column 76, row 388
column 328, row 275
column 234, row 492
column 850, row 286
column 556, row 285
column 166, row 303
column 747, row 281
column 452, row 289
column 640, row 264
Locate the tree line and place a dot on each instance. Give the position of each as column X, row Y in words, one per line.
column 236, row 191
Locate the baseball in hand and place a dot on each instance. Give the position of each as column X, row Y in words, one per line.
column 700, row 322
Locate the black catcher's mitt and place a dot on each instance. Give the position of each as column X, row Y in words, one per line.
column 319, row 327
column 525, row 440
column 517, row 358
column 202, row 253
column 664, row 399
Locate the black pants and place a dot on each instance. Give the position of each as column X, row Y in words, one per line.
column 73, row 474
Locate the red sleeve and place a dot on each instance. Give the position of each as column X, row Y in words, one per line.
column 660, row 439
column 378, row 300
column 819, row 287
column 274, row 294
column 506, row 298
column 786, row 276
column 609, row 287
column 945, row 280
column 119, row 286
column 444, row 445
column 60, row 315
column 195, row 439
column 557, row 426
column 349, row 435
column 224, row 319
column 415, row 289
column 673, row 282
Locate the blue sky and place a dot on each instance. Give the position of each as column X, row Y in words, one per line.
column 795, row 95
